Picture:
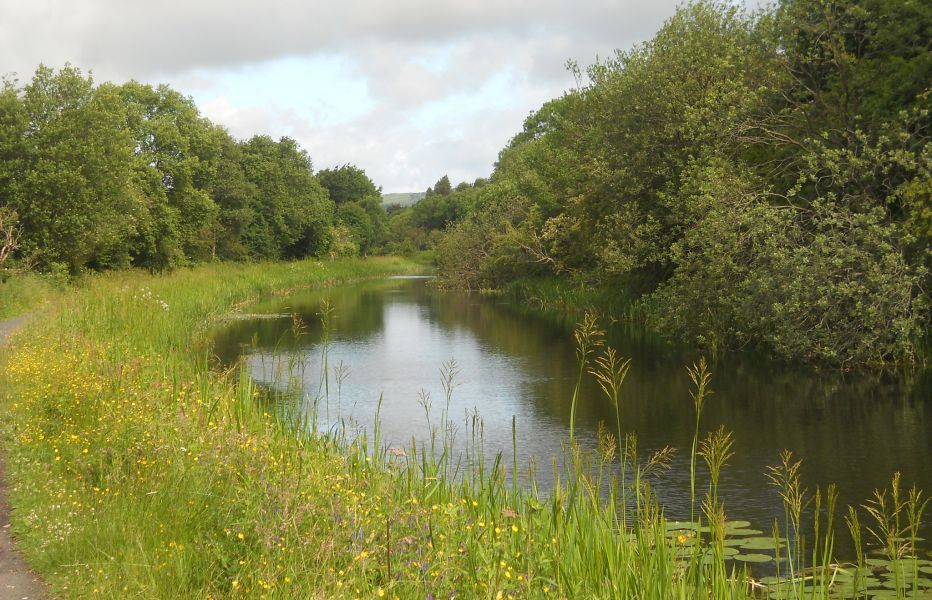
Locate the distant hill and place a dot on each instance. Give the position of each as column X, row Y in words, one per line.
column 402, row 199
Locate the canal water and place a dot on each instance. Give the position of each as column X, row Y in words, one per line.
column 390, row 340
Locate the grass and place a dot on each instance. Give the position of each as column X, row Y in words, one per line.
column 571, row 298
column 139, row 469
column 21, row 292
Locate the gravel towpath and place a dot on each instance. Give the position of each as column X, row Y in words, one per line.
column 17, row 581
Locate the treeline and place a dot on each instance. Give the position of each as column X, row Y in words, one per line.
column 420, row 227
column 751, row 180
column 111, row 176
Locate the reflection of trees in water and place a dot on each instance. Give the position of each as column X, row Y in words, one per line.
column 359, row 312
column 851, row 429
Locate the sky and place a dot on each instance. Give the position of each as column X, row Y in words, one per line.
column 408, row 90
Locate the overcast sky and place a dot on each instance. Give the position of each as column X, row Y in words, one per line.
column 408, row 90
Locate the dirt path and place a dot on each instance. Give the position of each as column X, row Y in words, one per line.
column 17, row 581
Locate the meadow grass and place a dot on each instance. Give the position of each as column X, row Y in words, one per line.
column 140, row 468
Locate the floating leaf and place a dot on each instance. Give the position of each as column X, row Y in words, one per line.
column 753, row 558
column 733, row 532
column 884, row 594
column 761, row 543
column 734, row 542
column 681, row 525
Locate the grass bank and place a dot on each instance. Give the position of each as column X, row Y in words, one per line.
column 139, row 471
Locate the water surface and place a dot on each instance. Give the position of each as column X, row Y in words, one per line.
column 392, row 338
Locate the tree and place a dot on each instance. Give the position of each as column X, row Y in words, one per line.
column 71, row 179
column 176, row 153
column 9, row 234
column 347, row 183
column 755, row 180
column 441, row 188
column 235, row 197
column 291, row 210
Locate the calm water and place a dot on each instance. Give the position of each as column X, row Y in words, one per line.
column 394, row 335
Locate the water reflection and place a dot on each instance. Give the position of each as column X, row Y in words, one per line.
column 394, row 336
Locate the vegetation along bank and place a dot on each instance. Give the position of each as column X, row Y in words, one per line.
column 139, row 471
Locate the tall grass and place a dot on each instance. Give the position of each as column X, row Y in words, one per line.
column 141, row 469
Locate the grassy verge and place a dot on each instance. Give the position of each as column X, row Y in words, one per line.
column 21, row 292
column 138, row 471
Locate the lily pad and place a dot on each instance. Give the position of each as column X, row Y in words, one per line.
column 692, row 531
column 678, row 525
column 734, row 542
column 753, row 558
column 847, row 589
column 762, row 543
column 743, row 531
column 884, row 594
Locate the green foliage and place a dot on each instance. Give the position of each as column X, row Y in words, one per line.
column 436, row 211
column 68, row 174
column 752, row 180
column 113, row 176
column 291, row 210
column 175, row 152
column 824, row 284
column 419, row 226
column 348, row 184
column 367, row 220
column 486, row 250
column 443, row 187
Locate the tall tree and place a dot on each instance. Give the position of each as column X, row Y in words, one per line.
column 71, row 185
column 348, row 183
column 291, row 211
column 235, row 197
column 176, row 153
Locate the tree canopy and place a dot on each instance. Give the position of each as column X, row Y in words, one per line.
column 753, row 179
column 111, row 176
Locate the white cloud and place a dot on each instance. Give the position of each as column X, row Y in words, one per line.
column 408, row 90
